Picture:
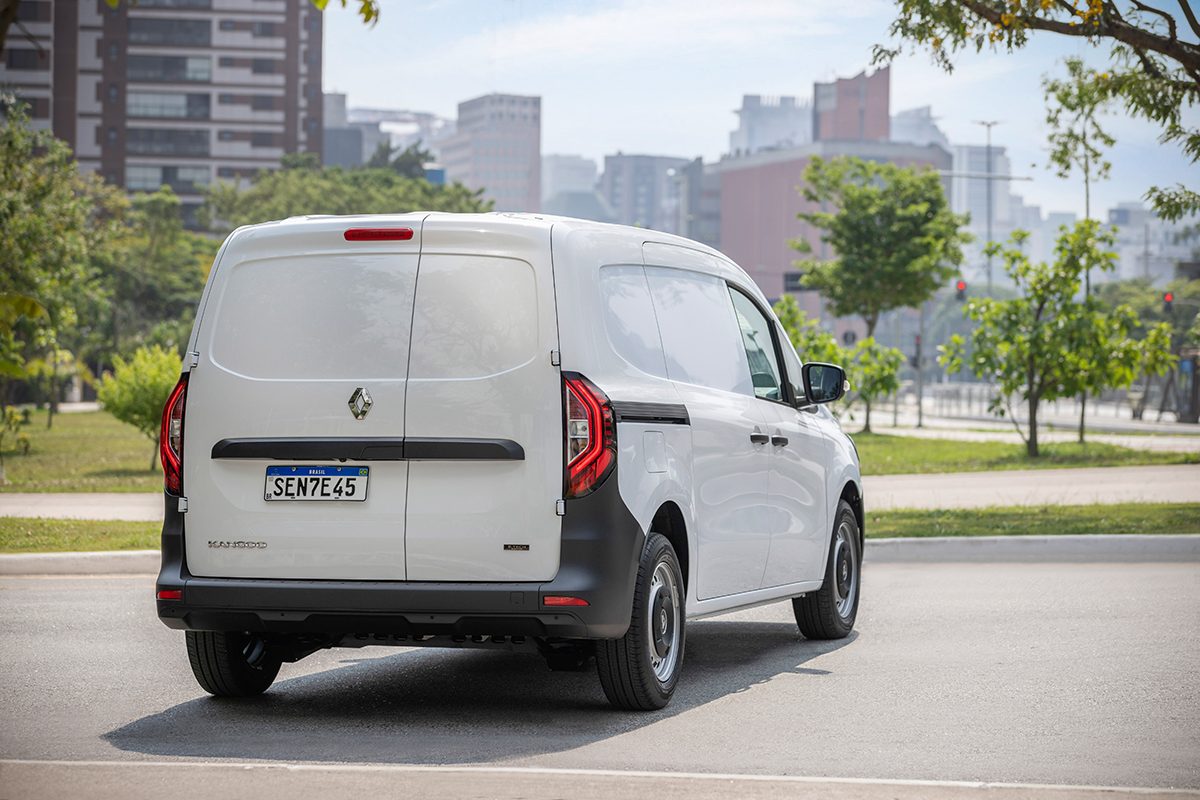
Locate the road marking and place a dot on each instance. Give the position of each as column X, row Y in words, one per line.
column 610, row 773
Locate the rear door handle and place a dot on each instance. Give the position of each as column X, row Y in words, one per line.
column 759, row 438
column 779, row 441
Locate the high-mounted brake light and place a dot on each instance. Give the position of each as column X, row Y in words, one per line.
column 170, row 438
column 591, row 436
column 378, row 234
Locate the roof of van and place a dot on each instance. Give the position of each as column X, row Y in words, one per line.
column 547, row 220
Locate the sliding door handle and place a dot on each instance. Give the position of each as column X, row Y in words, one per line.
column 759, row 438
column 779, row 441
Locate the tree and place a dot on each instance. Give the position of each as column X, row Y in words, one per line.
column 872, row 369
column 136, row 390
column 367, row 9
column 895, row 239
column 10, row 426
column 49, row 228
column 156, row 274
column 291, row 192
column 407, row 163
column 874, row 372
column 1045, row 344
column 1075, row 139
column 812, row 342
column 1152, row 71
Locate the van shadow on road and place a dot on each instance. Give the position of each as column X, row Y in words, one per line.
column 458, row 706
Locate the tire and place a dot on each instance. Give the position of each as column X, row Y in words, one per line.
column 829, row 612
column 639, row 671
column 231, row 664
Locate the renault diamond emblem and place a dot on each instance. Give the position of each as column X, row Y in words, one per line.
column 360, row 403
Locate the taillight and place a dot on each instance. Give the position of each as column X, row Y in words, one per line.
column 170, row 438
column 591, row 435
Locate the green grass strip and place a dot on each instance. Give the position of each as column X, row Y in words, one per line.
column 1139, row 518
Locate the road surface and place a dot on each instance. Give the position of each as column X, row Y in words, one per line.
column 1080, row 674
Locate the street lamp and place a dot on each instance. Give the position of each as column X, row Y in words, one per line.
column 989, row 123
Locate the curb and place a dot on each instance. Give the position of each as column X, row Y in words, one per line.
column 1116, row 548
column 122, row 562
column 1035, row 549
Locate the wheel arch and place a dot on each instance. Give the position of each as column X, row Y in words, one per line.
column 852, row 494
column 670, row 522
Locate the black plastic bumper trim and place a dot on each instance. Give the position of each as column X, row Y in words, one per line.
column 598, row 560
column 662, row 413
column 370, row 449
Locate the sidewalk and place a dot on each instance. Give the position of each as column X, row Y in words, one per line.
column 1178, row 483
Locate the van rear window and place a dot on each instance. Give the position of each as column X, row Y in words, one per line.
column 316, row 317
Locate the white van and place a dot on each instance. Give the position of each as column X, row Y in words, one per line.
column 494, row 430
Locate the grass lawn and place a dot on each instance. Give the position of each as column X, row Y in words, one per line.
column 884, row 454
column 85, row 452
column 1034, row 521
column 23, row 535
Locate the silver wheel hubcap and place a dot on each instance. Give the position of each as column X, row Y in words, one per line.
column 662, row 612
column 845, row 570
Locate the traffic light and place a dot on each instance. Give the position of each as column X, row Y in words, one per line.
column 1168, row 299
column 960, row 290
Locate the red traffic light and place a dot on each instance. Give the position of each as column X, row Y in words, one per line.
column 961, row 286
column 1169, row 297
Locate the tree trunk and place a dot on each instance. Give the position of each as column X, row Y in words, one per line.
column 1082, row 414
column 1031, row 446
column 154, row 456
column 867, row 422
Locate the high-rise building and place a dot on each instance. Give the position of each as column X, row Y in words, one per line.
column 918, row 126
column 567, row 174
column 497, row 147
column 853, row 109
column 973, row 178
column 342, row 145
column 643, row 190
column 172, row 92
column 767, row 122
column 1148, row 247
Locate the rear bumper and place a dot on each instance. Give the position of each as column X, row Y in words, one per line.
column 601, row 545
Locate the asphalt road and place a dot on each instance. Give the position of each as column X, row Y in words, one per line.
column 1081, row 674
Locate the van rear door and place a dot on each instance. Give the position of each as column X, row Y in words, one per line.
column 484, row 411
column 302, row 321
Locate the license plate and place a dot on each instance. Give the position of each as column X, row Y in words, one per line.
column 317, row 483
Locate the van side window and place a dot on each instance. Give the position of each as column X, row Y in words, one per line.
column 760, row 347
column 699, row 331
column 629, row 318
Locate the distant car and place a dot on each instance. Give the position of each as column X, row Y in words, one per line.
column 494, row 430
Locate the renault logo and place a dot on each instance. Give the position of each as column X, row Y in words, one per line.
column 360, row 403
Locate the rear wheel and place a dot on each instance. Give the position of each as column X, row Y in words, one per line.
column 829, row 612
column 639, row 671
column 231, row 664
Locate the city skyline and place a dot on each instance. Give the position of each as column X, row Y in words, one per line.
column 583, row 59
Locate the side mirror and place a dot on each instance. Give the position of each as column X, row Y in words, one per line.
column 823, row 383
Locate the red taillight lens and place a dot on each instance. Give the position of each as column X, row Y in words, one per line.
column 170, row 438
column 170, row 594
column 563, row 600
column 591, row 435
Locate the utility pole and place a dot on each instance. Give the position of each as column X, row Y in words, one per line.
column 920, row 369
column 989, row 124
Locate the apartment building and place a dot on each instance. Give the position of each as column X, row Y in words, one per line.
column 497, row 146
column 171, row 92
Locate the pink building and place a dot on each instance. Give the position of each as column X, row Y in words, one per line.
column 853, row 109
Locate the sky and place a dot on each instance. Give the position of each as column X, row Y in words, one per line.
column 665, row 76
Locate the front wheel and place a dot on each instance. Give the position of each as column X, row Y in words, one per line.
column 829, row 612
column 639, row 671
column 232, row 664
